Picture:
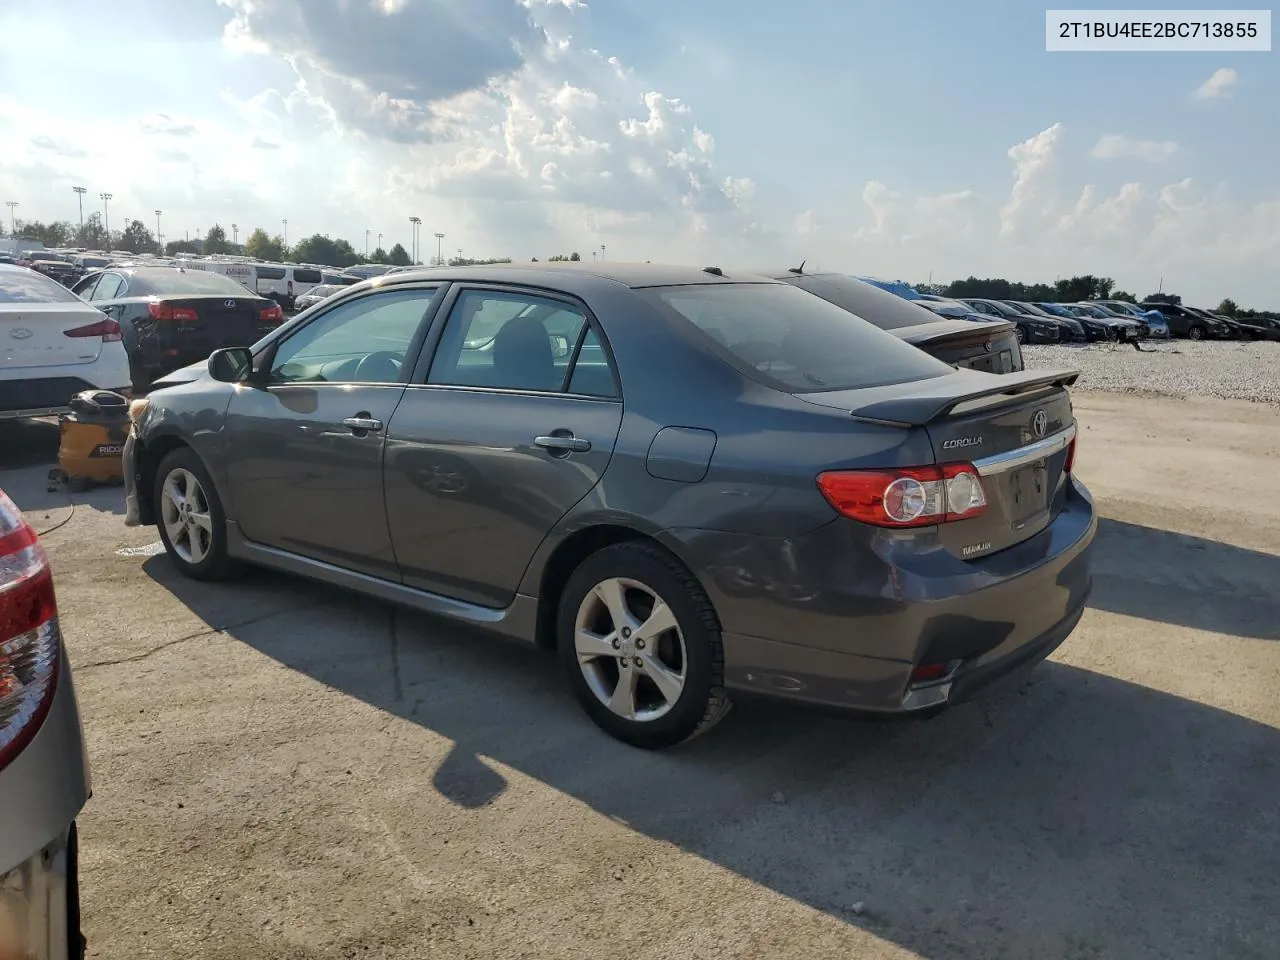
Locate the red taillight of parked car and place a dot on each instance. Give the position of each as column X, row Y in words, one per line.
column 107, row 329
column 162, row 311
column 28, row 632
column 907, row 496
column 1071, row 455
column 271, row 314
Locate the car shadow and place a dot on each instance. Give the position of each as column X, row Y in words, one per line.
column 1072, row 815
column 1185, row 580
column 28, row 443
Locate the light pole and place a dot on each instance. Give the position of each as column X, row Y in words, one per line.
column 106, row 218
column 159, row 237
column 235, row 235
column 439, row 249
column 13, row 228
column 602, row 252
column 366, row 243
column 285, row 221
column 414, row 222
column 80, row 192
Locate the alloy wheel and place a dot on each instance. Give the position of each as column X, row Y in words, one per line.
column 184, row 511
column 630, row 649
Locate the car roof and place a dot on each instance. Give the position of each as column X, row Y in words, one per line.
column 565, row 274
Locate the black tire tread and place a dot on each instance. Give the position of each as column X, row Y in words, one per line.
column 222, row 566
column 718, row 703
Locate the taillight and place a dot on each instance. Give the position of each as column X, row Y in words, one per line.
column 906, row 497
column 271, row 314
column 107, row 329
column 28, row 633
column 1071, row 455
column 162, row 311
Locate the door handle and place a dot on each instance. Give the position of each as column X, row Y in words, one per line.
column 363, row 424
column 569, row 444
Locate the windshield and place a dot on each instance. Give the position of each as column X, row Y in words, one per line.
column 20, row 285
column 321, row 291
column 896, row 287
column 1054, row 308
column 792, row 340
column 864, row 300
column 180, row 282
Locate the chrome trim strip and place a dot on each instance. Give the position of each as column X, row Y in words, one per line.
column 1012, row 459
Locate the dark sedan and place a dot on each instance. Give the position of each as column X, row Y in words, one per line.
column 1094, row 328
column 1072, row 329
column 950, row 339
column 1184, row 322
column 1031, row 328
column 170, row 317
column 691, row 484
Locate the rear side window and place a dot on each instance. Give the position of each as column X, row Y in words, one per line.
column 794, row 340
column 303, row 275
column 20, row 285
column 270, row 273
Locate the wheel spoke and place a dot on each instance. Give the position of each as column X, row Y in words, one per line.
column 668, row 682
column 196, row 541
column 592, row 645
column 613, row 595
column 202, row 520
column 623, row 701
column 173, row 491
column 660, row 620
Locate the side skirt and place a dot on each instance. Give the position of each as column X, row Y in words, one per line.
column 518, row 620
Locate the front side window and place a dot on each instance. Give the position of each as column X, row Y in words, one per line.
column 510, row 341
column 108, row 287
column 361, row 341
column 793, row 340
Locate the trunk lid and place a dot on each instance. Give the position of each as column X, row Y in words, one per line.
column 34, row 334
column 990, row 347
column 1015, row 429
column 201, row 324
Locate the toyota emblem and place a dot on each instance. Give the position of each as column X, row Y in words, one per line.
column 20, row 333
column 1040, row 423
column 229, row 304
column 988, row 346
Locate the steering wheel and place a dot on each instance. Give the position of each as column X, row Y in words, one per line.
column 381, row 366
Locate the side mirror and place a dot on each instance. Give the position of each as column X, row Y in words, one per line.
column 559, row 346
column 231, row 364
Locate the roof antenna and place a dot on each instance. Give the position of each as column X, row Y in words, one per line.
column 799, row 269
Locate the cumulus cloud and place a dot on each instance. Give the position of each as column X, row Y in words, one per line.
column 500, row 105
column 1032, row 162
column 1113, row 146
column 1217, row 86
column 162, row 124
column 59, row 147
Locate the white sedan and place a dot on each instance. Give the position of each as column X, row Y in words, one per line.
column 52, row 346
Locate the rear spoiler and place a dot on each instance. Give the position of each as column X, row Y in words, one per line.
column 937, row 398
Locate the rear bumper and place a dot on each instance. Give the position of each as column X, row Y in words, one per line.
column 48, row 396
column 40, row 904
column 840, row 633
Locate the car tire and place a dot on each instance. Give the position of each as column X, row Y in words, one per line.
column 1196, row 333
column 1020, row 334
column 198, row 548
column 649, row 688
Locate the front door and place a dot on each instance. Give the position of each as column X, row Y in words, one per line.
column 514, row 425
column 304, row 452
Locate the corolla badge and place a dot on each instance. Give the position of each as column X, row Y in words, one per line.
column 1040, row 423
column 962, row 442
column 21, row 333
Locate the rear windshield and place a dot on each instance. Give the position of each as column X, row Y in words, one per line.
column 20, row 285
column 870, row 303
column 178, row 281
column 794, row 340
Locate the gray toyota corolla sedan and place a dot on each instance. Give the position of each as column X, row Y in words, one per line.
column 693, row 485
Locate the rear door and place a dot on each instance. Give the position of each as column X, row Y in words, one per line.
column 304, row 453
column 513, row 422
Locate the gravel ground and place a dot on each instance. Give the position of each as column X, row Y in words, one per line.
column 1234, row 371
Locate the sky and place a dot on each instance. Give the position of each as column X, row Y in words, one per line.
column 930, row 140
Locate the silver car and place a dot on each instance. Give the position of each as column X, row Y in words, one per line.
column 44, row 772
